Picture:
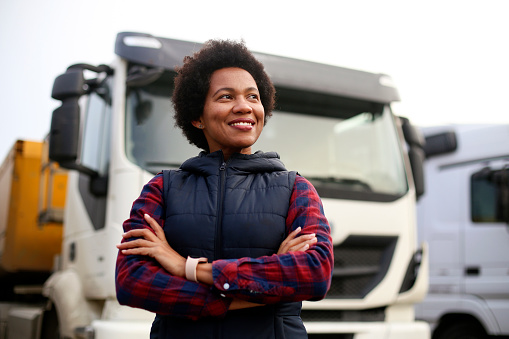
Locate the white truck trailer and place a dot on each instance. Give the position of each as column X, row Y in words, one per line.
column 464, row 218
column 114, row 130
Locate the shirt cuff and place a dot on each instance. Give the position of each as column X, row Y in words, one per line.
column 236, row 277
column 225, row 275
column 216, row 306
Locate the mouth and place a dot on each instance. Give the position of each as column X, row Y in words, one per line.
column 241, row 123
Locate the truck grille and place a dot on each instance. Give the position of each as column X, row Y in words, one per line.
column 360, row 263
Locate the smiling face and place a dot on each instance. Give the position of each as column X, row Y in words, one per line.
column 233, row 115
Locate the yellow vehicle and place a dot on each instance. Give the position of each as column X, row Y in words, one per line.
column 32, row 198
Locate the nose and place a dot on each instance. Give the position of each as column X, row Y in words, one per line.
column 242, row 106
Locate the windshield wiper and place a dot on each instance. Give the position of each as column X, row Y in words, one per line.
column 157, row 166
column 162, row 164
column 342, row 181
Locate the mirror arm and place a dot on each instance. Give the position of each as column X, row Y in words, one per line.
column 96, row 69
column 78, row 167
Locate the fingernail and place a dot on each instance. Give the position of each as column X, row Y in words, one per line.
column 298, row 229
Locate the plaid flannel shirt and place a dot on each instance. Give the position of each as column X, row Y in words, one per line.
column 295, row 276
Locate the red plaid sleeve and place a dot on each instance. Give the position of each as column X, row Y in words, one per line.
column 141, row 282
column 293, row 276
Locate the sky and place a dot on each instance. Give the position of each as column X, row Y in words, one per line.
column 448, row 58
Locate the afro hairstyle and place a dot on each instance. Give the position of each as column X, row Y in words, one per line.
column 192, row 83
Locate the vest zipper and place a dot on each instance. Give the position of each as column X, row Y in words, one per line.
column 219, row 225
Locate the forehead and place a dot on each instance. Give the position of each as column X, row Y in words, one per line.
column 232, row 77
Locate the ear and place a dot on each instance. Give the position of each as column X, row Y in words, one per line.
column 197, row 124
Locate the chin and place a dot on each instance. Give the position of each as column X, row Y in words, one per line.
column 245, row 144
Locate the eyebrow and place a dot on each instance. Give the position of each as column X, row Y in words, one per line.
column 229, row 89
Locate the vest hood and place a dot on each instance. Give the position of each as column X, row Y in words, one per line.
column 208, row 163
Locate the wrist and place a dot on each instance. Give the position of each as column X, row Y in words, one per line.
column 204, row 273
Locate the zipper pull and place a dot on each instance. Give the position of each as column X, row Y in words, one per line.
column 223, row 166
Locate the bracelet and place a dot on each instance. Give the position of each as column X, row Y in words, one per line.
column 191, row 264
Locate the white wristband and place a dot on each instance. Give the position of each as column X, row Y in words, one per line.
column 191, row 264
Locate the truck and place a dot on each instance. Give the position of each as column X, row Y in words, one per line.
column 114, row 130
column 464, row 218
column 32, row 191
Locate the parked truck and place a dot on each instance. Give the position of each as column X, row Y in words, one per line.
column 32, row 198
column 464, row 217
column 114, row 130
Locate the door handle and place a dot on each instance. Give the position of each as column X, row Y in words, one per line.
column 472, row 271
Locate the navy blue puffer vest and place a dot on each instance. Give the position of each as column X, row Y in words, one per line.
column 227, row 210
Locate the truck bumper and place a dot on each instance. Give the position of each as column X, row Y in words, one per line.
column 375, row 330
column 121, row 329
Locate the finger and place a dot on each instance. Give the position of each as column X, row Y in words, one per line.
column 155, row 226
column 308, row 240
column 136, row 251
column 290, row 237
column 151, row 221
column 301, row 248
column 301, row 239
column 139, row 233
column 294, row 233
column 136, row 243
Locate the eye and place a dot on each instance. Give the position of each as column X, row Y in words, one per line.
column 225, row 96
column 253, row 96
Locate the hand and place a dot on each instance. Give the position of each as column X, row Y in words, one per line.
column 155, row 246
column 300, row 244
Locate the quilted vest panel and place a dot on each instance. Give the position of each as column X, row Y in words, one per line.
column 224, row 210
column 232, row 209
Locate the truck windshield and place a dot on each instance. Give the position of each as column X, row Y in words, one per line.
column 347, row 148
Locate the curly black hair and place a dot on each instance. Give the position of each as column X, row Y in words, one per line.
column 193, row 81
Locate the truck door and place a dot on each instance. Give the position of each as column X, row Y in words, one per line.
column 486, row 237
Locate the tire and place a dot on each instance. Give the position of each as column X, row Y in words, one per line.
column 460, row 330
column 50, row 326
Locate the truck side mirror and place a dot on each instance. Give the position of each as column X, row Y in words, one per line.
column 440, row 143
column 71, row 84
column 64, row 133
column 416, row 155
column 65, row 122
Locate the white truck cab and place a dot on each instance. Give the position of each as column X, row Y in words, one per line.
column 464, row 217
column 114, row 130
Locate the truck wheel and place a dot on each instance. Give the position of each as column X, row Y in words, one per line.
column 50, row 327
column 461, row 330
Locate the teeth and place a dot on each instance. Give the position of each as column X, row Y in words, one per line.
column 241, row 124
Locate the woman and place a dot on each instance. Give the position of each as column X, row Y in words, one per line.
column 231, row 243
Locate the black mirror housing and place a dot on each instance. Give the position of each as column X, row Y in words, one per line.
column 64, row 136
column 69, row 85
column 64, row 132
column 65, row 122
